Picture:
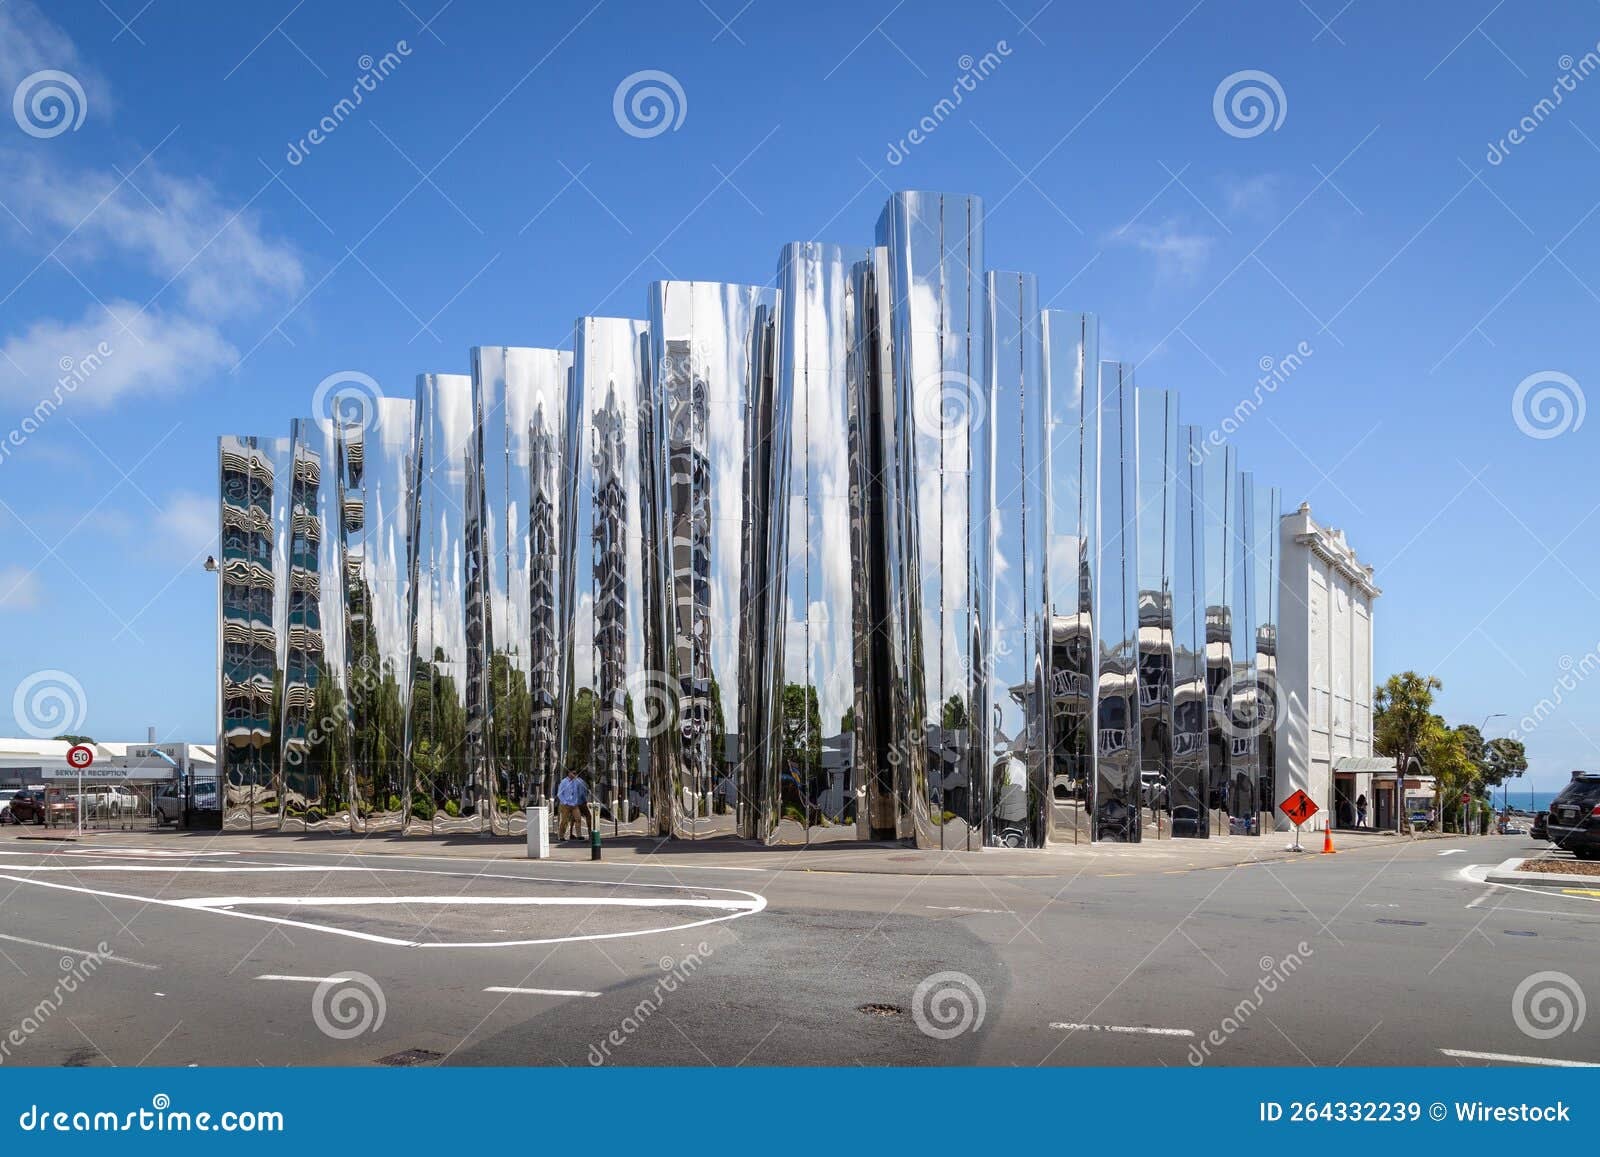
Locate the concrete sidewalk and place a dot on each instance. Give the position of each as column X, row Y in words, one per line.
column 1151, row 857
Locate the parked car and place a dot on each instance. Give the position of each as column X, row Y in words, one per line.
column 26, row 807
column 167, row 804
column 1538, row 830
column 5, row 804
column 112, row 798
column 1574, row 821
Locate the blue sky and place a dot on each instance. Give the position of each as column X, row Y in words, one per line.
column 483, row 192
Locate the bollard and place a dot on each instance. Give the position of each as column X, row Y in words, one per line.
column 538, row 833
column 594, row 843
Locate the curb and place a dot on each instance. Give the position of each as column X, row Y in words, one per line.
column 1507, row 873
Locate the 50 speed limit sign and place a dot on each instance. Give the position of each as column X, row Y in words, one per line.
column 80, row 756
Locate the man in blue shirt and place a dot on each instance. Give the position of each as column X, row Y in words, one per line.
column 572, row 797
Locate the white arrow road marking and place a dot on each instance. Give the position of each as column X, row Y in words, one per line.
column 1128, row 1028
column 542, row 991
column 1511, row 1059
column 78, row 952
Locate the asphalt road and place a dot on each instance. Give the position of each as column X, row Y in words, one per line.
column 1380, row 957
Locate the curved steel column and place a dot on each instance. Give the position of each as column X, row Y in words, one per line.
column 437, row 748
column 520, row 411
column 616, row 724
column 1071, row 470
column 317, row 789
column 1157, row 560
column 711, row 367
column 1016, row 811
column 941, row 476
column 254, row 476
column 1220, row 481
column 809, row 793
column 1190, row 782
column 378, row 460
column 1270, row 710
column 1117, row 762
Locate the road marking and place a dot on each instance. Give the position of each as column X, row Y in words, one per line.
column 960, row 908
column 79, row 952
column 1143, row 1030
column 1510, row 1059
column 1580, row 892
column 459, row 901
column 1453, row 852
column 304, row 979
column 542, row 991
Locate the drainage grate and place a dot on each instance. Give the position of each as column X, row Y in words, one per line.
column 881, row 1009
column 409, row 1058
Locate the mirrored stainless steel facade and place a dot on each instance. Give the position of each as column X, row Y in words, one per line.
column 254, row 478
column 1071, row 367
column 810, row 789
column 1019, row 789
column 615, row 702
column 884, row 552
column 317, row 784
column 377, row 526
column 1116, row 800
column 940, row 481
column 438, row 747
column 712, row 370
column 520, row 414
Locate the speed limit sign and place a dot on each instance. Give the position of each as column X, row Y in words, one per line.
column 80, row 756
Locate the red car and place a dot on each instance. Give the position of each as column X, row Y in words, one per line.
column 36, row 807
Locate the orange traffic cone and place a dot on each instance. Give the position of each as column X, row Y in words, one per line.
column 1327, row 842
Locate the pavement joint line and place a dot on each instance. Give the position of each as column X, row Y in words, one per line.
column 1513, row 1059
column 542, row 991
column 1142, row 1030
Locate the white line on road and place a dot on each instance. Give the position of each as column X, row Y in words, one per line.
column 1512, row 1059
column 961, row 908
column 1143, row 1030
column 79, row 952
column 1453, row 852
column 461, row 902
column 542, row 991
column 304, row 979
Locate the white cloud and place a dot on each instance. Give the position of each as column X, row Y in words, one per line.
column 105, row 355
column 29, row 42
column 1257, row 194
column 219, row 260
column 188, row 521
column 19, row 589
column 1179, row 255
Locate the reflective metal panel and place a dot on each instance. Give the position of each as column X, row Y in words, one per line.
column 1270, row 712
column 1018, row 784
column 1071, row 362
column 254, row 476
column 437, row 746
column 317, row 787
column 811, row 788
column 1190, row 780
column 1157, row 560
column 1244, row 803
column 520, row 407
column 941, row 478
column 1220, row 479
column 1116, row 588
column 712, row 370
column 376, row 529
column 615, row 707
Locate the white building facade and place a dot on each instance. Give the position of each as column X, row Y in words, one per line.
column 1325, row 676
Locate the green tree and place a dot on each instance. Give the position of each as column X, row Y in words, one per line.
column 1402, row 721
column 67, row 738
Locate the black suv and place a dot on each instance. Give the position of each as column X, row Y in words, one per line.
column 1574, row 820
